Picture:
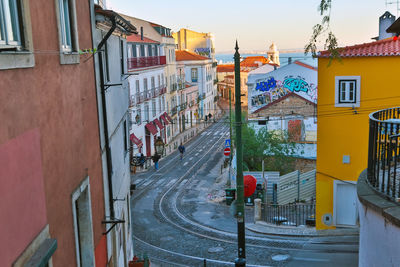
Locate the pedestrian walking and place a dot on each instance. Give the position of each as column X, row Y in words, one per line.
column 181, row 149
column 156, row 158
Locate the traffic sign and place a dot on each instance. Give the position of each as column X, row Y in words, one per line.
column 228, row 143
column 227, row 151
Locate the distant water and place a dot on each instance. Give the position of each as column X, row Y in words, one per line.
column 283, row 58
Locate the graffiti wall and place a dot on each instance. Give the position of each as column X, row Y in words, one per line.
column 268, row 87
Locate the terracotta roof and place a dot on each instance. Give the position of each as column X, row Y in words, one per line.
column 226, row 68
column 385, row 47
column 252, row 61
column 182, row 55
column 282, row 98
column 305, row 65
column 229, row 76
column 135, row 38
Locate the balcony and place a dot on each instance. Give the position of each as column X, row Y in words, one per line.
column 139, row 97
column 145, row 62
column 173, row 111
column 132, row 101
column 384, row 152
column 174, row 87
column 183, row 106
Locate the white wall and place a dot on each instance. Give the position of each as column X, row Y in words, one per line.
column 379, row 240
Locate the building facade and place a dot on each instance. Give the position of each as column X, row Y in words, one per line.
column 109, row 39
column 348, row 92
column 52, row 188
column 147, row 93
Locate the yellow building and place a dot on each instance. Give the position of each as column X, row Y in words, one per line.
column 365, row 80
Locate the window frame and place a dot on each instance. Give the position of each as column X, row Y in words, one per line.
column 194, row 75
column 68, row 55
column 20, row 56
column 355, row 102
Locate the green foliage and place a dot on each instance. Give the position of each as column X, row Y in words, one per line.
column 323, row 30
column 87, row 51
column 272, row 147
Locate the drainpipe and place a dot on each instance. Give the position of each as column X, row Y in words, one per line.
column 105, row 122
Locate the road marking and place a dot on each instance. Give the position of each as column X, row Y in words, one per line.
column 191, row 158
column 158, row 183
column 216, row 133
column 208, row 133
column 196, row 154
column 309, row 259
column 147, row 183
column 170, row 183
column 184, row 164
column 203, row 133
column 137, row 181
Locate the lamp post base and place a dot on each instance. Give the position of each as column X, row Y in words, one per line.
column 240, row 262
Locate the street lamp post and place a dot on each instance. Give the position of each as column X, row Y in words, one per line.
column 241, row 260
column 159, row 146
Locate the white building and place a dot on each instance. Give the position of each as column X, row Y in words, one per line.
column 199, row 71
column 146, row 66
column 113, row 94
column 284, row 100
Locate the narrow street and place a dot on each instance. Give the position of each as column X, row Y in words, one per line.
column 177, row 223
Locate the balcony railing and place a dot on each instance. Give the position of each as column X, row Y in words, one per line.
column 140, row 97
column 132, row 101
column 174, row 110
column 144, row 62
column 289, row 215
column 183, row 106
column 174, row 87
column 384, row 152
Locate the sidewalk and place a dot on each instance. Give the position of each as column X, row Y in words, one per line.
column 270, row 229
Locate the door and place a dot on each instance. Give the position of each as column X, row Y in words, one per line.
column 148, row 143
column 345, row 204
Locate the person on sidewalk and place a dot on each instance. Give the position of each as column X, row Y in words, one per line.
column 156, row 158
column 181, row 149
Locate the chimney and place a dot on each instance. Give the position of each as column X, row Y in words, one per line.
column 385, row 21
column 141, row 33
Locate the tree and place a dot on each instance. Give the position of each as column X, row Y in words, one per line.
column 323, row 29
column 274, row 148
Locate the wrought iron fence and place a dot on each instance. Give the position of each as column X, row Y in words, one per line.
column 290, row 214
column 384, row 152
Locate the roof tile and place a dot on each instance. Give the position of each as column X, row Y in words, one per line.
column 183, row 55
column 385, row 47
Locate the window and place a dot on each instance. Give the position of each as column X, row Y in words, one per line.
column 82, row 215
column 145, row 85
column 153, row 83
column 194, row 75
column 159, row 81
column 121, row 52
column 16, row 44
column 137, row 88
column 142, row 51
column 125, row 137
column 139, row 116
column 149, row 51
column 146, row 112
column 134, row 52
column 9, row 24
column 68, row 31
column 153, row 106
column 347, row 91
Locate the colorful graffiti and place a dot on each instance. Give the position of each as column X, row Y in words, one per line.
column 296, row 85
column 266, row 86
column 203, row 51
column 274, row 89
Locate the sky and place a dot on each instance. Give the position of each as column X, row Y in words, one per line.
column 258, row 23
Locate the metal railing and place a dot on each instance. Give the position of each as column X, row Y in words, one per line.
column 290, row 214
column 384, row 152
column 140, row 97
column 174, row 110
column 144, row 62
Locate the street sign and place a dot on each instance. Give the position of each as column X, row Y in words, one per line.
column 227, row 151
column 228, row 143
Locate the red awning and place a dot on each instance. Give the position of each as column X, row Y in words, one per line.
column 152, row 128
column 159, row 124
column 167, row 116
column 136, row 140
column 162, row 117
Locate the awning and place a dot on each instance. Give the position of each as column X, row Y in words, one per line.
column 162, row 117
column 159, row 124
column 152, row 128
column 136, row 140
column 167, row 116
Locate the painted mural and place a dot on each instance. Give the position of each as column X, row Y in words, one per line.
column 205, row 52
column 272, row 87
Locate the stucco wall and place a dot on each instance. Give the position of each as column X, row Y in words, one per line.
column 378, row 239
column 342, row 131
column 59, row 101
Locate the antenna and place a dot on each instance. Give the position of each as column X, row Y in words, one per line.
column 397, row 2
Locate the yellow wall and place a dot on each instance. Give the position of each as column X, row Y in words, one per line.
column 193, row 39
column 340, row 131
